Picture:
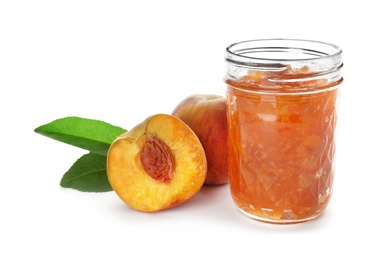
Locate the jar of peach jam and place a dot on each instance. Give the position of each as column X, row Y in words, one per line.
column 282, row 114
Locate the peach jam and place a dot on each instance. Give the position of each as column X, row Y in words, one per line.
column 282, row 114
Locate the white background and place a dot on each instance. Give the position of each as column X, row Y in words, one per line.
column 121, row 61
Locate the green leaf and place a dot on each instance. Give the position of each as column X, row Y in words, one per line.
column 89, row 134
column 88, row 174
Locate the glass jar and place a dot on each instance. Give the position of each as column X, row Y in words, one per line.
column 282, row 113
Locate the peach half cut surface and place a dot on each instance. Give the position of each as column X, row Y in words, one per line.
column 158, row 164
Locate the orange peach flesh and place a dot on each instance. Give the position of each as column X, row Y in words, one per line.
column 176, row 177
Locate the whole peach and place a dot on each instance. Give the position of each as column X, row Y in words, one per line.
column 206, row 115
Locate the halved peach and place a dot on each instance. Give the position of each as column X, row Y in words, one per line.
column 158, row 164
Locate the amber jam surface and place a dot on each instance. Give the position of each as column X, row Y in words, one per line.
column 281, row 144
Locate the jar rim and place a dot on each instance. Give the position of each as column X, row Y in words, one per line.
column 279, row 51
